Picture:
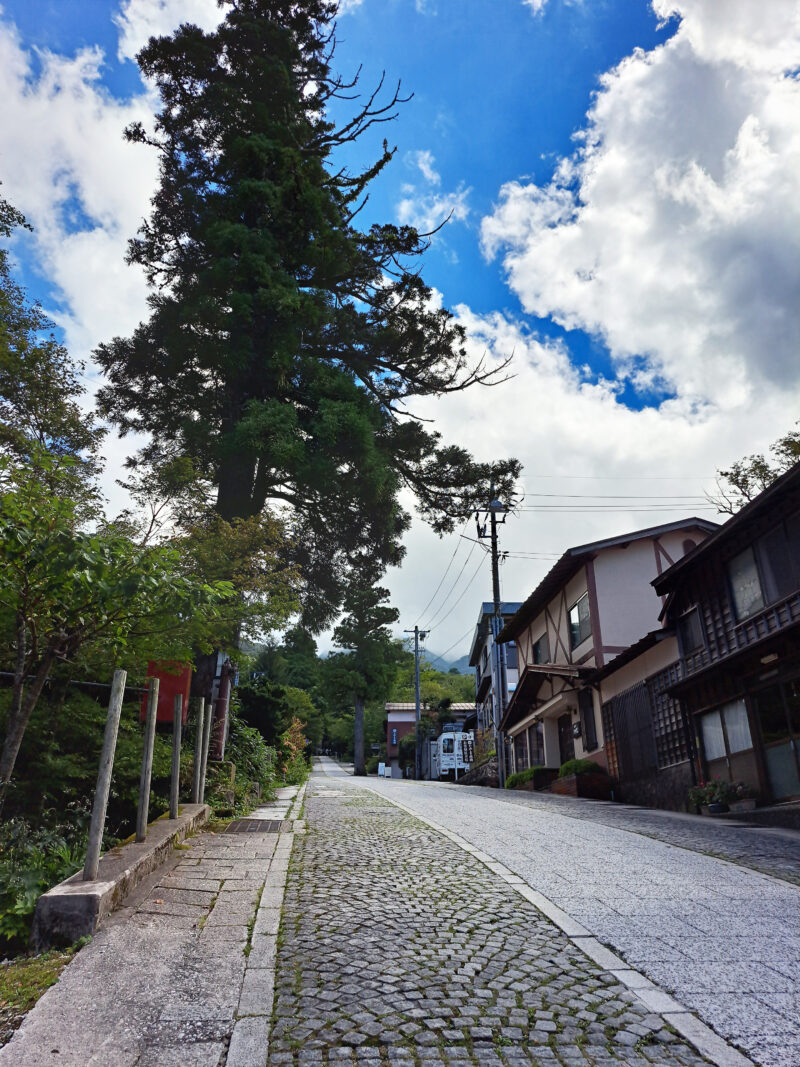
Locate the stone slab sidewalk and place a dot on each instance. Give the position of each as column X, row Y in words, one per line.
column 397, row 947
column 170, row 982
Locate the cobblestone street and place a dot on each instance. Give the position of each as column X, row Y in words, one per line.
column 398, row 946
column 724, row 939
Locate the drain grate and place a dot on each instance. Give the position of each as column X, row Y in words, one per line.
column 258, row 826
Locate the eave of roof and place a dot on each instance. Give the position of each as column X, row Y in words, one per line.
column 508, row 608
column 572, row 561
column 644, row 644
column 665, row 582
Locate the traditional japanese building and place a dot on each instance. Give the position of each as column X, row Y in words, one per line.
column 734, row 602
column 596, row 602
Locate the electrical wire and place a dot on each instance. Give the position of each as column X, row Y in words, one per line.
column 464, row 592
column 450, row 649
column 450, row 592
column 619, row 496
column 420, row 614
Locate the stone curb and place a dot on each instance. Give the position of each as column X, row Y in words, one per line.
column 707, row 1042
column 249, row 1046
column 74, row 908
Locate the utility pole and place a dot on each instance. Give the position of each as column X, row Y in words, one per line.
column 499, row 680
column 417, row 635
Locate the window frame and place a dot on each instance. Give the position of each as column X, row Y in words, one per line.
column 581, row 637
column 546, row 647
column 591, row 741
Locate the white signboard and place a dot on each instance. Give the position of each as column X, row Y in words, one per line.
column 381, row 770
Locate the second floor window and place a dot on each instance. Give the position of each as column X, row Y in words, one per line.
column 768, row 570
column 541, row 650
column 580, row 626
column 745, row 584
column 690, row 632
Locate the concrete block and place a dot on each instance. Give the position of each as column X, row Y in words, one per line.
column 74, row 908
column 711, row 1045
column 257, row 991
column 249, row 1043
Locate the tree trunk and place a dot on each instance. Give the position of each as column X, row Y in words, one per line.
column 235, row 492
column 359, row 770
column 22, row 706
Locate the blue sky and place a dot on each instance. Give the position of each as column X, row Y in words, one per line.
column 624, row 178
column 489, row 106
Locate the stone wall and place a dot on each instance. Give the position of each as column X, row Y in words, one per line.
column 485, row 774
column 667, row 788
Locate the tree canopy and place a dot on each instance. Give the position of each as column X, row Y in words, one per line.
column 284, row 344
column 748, row 477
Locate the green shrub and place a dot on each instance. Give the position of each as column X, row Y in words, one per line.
column 371, row 766
column 580, row 766
column 31, row 861
column 254, row 758
column 519, row 777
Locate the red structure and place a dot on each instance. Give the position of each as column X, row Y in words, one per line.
column 175, row 679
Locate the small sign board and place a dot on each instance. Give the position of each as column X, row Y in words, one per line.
column 381, row 770
column 468, row 750
column 374, row 747
column 387, row 771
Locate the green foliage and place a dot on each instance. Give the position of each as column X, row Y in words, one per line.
column 294, row 765
column 748, row 477
column 520, row 777
column 73, row 598
column 285, row 345
column 435, row 686
column 255, row 760
column 580, row 766
column 57, row 764
column 31, row 861
column 40, row 394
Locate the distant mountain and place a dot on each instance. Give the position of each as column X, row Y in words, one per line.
column 461, row 665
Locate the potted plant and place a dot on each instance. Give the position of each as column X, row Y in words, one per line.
column 710, row 798
column 700, row 797
column 741, row 797
column 582, row 778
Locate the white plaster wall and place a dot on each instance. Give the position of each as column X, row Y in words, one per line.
column 627, row 603
column 654, row 659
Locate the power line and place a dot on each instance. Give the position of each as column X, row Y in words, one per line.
column 450, row 649
column 619, row 496
column 447, row 571
column 611, row 509
column 441, row 607
column 624, row 477
column 464, row 592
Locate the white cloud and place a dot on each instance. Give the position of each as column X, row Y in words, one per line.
column 425, row 211
column 535, row 5
column 673, row 232
column 139, row 20
column 426, row 208
column 425, row 161
column 573, row 436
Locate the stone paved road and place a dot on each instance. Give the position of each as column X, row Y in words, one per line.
column 724, row 939
column 397, row 947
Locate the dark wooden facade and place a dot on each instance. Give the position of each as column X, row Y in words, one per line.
column 735, row 603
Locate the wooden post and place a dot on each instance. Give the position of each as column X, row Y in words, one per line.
column 147, row 759
column 177, row 715
column 206, row 742
column 197, row 769
column 100, row 805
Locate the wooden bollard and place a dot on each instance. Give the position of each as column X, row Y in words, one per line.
column 197, row 769
column 206, row 742
column 147, row 759
column 176, row 757
column 100, row 804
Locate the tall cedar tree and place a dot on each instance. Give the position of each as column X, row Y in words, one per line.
column 369, row 666
column 284, row 343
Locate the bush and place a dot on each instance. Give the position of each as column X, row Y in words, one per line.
column 254, row 758
column 31, row 861
column 580, row 766
column 293, row 750
column 520, row 777
column 371, row 766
